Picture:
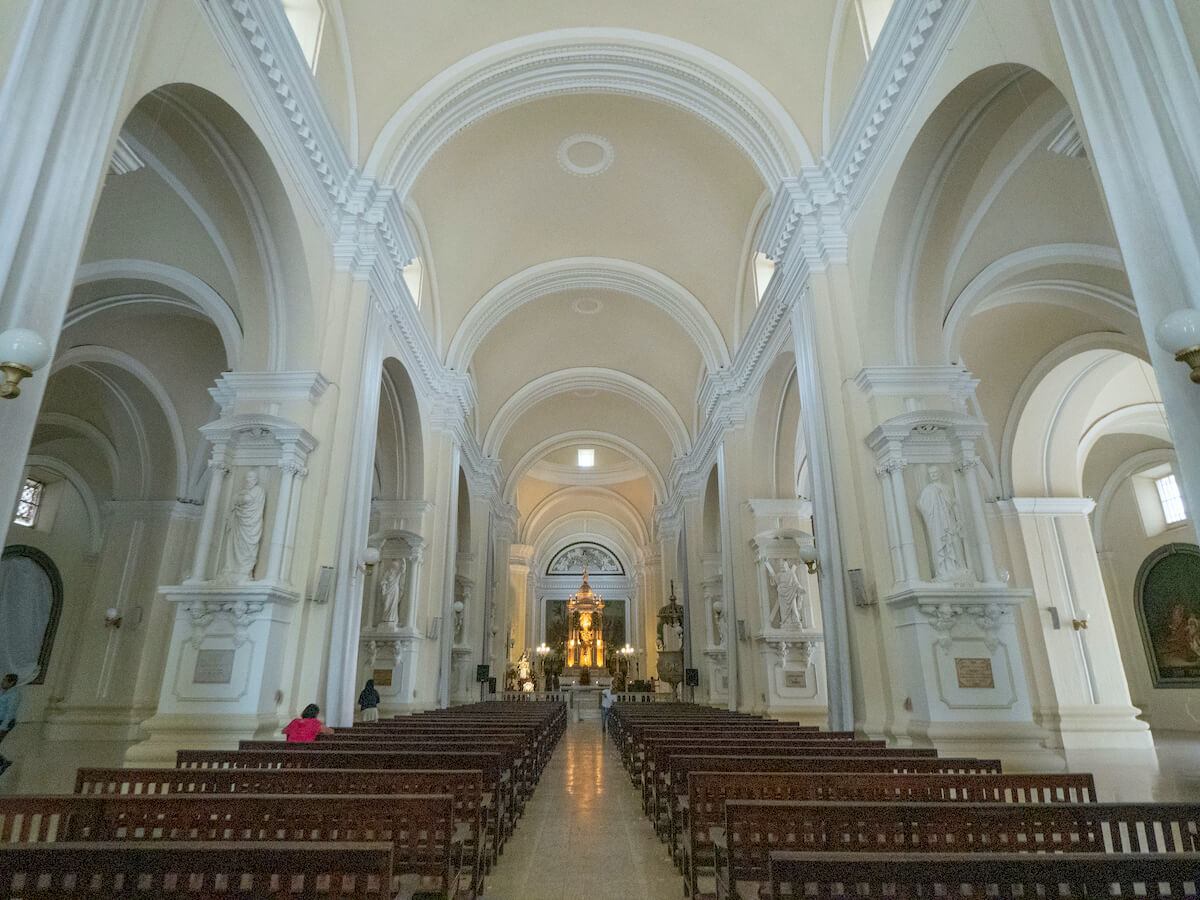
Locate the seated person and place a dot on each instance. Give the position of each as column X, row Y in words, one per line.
column 306, row 728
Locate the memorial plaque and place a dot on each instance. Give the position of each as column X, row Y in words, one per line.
column 974, row 672
column 383, row 677
column 213, row 667
column 795, row 679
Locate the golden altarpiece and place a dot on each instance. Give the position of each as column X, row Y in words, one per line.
column 585, row 640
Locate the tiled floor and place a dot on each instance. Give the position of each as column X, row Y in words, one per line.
column 583, row 835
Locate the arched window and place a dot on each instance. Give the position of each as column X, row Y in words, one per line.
column 31, row 596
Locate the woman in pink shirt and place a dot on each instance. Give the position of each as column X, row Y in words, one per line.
column 306, row 728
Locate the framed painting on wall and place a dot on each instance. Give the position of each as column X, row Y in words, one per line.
column 1167, row 594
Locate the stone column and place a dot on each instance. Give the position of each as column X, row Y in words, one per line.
column 59, row 103
column 1139, row 94
column 1091, row 694
column 520, row 556
column 288, row 470
column 219, row 469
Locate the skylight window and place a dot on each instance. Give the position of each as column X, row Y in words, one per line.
column 1171, row 499
column 764, row 268
column 587, row 458
column 307, row 18
column 30, row 503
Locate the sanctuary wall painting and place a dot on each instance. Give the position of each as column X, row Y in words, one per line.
column 1167, row 594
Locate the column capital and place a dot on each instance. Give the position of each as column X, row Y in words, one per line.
column 520, row 555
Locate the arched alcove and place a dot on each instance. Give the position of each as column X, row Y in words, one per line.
column 31, row 599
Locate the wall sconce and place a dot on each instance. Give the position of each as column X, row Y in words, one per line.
column 370, row 558
column 808, row 556
column 112, row 618
column 1179, row 333
column 23, row 352
column 1080, row 624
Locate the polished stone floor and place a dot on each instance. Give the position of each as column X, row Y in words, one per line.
column 583, row 835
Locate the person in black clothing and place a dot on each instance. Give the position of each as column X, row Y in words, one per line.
column 368, row 701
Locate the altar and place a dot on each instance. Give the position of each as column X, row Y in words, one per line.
column 583, row 700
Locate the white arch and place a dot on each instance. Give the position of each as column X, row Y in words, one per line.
column 558, row 541
column 590, row 273
column 997, row 277
column 207, row 300
column 1124, row 471
column 570, row 438
column 587, row 378
column 89, row 432
column 91, row 353
column 1148, row 418
column 77, row 481
column 585, row 502
column 596, row 61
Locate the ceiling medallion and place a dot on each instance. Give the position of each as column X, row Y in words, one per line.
column 594, row 155
column 587, row 306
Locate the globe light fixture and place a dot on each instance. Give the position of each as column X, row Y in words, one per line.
column 1179, row 333
column 23, row 352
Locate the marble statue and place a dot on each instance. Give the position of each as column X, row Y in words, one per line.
column 391, row 588
column 244, row 529
column 944, row 528
column 790, row 589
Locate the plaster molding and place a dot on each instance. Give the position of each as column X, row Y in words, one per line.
column 780, row 508
column 207, row 300
column 124, row 158
column 89, row 432
column 572, row 438
column 914, row 40
column 589, row 274
column 587, row 377
column 593, row 60
column 917, row 381
column 543, row 517
column 268, row 387
column 1053, row 506
column 1068, row 141
column 805, row 216
column 84, row 354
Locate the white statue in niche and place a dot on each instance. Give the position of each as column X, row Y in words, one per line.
column 391, row 589
column 244, row 529
column 944, row 528
column 790, row 589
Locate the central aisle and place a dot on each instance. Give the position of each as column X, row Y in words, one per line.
column 583, row 835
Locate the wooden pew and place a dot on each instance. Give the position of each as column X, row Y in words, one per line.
column 420, row 828
column 237, row 871
column 755, row 828
column 664, row 791
column 821, row 875
column 497, row 805
column 466, row 787
column 704, row 809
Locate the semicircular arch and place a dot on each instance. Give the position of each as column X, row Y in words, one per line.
column 593, row 274
column 589, row 60
column 572, row 438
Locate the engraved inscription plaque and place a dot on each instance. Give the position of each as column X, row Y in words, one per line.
column 795, row 679
column 974, row 672
column 213, row 667
column 383, row 677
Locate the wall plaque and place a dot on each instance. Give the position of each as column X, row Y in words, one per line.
column 383, row 677
column 974, row 672
column 213, row 667
column 795, row 679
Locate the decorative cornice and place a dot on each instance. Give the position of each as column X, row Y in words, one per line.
column 806, row 217
column 268, row 387
column 916, row 381
column 1068, row 141
column 1053, row 506
column 913, row 41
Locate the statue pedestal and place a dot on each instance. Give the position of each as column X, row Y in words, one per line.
column 224, row 667
column 964, row 670
column 389, row 655
column 794, row 661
